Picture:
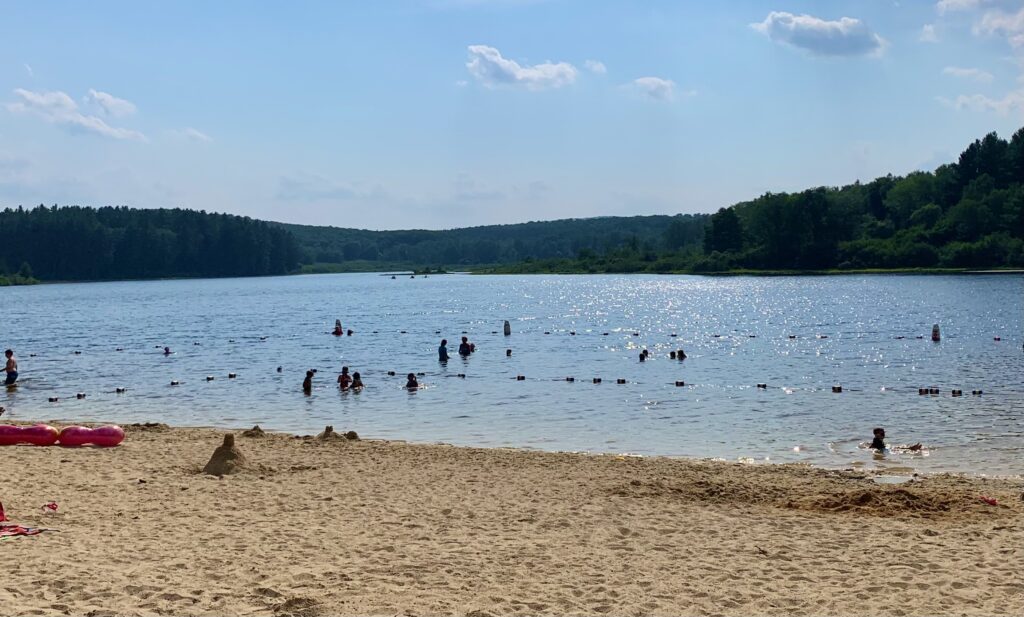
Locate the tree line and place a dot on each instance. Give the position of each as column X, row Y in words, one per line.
column 77, row 243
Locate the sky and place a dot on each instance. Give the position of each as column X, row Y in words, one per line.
column 451, row 113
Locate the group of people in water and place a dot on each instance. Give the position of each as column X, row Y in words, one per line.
column 465, row 349
column 346, row 381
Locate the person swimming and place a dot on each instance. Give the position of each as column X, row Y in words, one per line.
column 307, row 383
column 411, row 383
column 167, row 351
column 344, row 379
column 357, row 381
column 878, row 443
column 11, row 368
column 442, row 351
column 338, row 331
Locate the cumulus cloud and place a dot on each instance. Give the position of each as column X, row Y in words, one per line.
column 655, row 87
column 844, row 37
column 1000, row 23
column 928, row 34
column 963, row 73
column 595, row 66
column 110, row 104
column 60, row 109
column 487, row 66
column 1014, row 101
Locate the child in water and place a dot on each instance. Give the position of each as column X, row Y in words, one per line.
column 411, row 383
column 307, row 383
column 357, row 381
column 344, row 380
column 878, row 442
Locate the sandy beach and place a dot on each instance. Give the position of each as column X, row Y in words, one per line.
column 342, row 527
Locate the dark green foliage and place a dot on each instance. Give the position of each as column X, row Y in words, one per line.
column 74, row 243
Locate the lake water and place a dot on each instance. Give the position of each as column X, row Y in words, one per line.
column 736, row 332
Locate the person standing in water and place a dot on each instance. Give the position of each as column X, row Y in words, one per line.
column 11, row 367
column 307, row 383
column 442, row 351
column 344, row 380
column 411, row 383
column 465, row 348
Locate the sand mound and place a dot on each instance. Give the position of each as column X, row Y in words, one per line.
column 226, row 458
column 298, row 607
column 329, row 434
column 255, row 432
column 886, row 502
column 148, row 427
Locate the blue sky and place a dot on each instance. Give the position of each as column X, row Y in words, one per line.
column 449, row 113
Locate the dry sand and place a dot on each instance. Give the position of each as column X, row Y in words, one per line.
column 340, row 527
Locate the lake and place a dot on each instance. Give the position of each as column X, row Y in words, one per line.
column 800, row 336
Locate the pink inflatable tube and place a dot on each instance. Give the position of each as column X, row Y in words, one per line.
column 103, row 436
column 37, row 435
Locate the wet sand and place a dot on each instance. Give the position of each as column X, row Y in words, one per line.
column 341, row 527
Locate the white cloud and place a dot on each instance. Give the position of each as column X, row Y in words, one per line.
column 110, row 104
column 964, row 73
column 60, row 109
column 1010, row 25
column 928, row 34
column 594, row 66
column 845, row 37
column 196, row 135
column 487, row 66
column 656, row 88
column 950, row 6
column 1014, row 101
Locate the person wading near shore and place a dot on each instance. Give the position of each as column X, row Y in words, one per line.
column 11, row 367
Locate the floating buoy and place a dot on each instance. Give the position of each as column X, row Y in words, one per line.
column 933, row 390
column 462, row 375
column 464, row 332
column 673, row 335
column 437, row 332
column 263, row 338
column 547, row 333
column 792, row 336
column 120, row 390
column 197, row 344
column 921, row 391
column 78, row 353
column 391, row 373
column 80, row 395
column 620, row 381
column 996, row 338
column 175, row 382
column 762, row 386
column 680, row 384
column 751, row 336
column 597, row 380
column 822, row 336
column 520, row 377
column 508, row 352
column 919, row 337
column 899, row 338
column 279, row 369
column 570, row 379
column 53, row 399
column 118, row 349
column 421, row 374
column 604, row 334
column 837, row 389
column 209, row 378
column 976, row 392
column 957, row 393
column 508, row 328
column 572, row 333
column 636, row 334
column 716, row 336
column 401, row 332
column 935, row 333
column 233, row 375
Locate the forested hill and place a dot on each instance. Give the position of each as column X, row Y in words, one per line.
column 500, row 244
column 967, row 214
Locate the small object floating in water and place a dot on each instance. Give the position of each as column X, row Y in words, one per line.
column 462, row 375
column 976, row 392
column 209, row 378
column 792, row 336
column 391, row 373
column 936, row 337
column 921, row 391
column 900, row 338
column 507, row 328
column 231, row 340
column 197, row 343
column 636, row 334
column 401, row 332
column 673, row 335
column 822, row 336
column 118, row 349
column 263, row 338
column 958, row 393
column 520, row 377
column 53, row 399
column 603, row 334
column 120, row 390
column 420, row 374
column 279, row 369
column 919, row 337
column 933, row 390
column 175, row 382
column 464, row 332
column 572, row 333
column 233, row 375
column 996, row 338
column 620, row 381
column 751, row 336
column 716, row 336
column 80, row 395
column 680, row 384
column 570, row 379
column 547, row 333
column 508, row 352
column 597, row 380
column 435, row 331
column 837, row 389
column 762, row 386
column 78, row 353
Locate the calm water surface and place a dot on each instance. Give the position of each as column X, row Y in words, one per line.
column 736, row 332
